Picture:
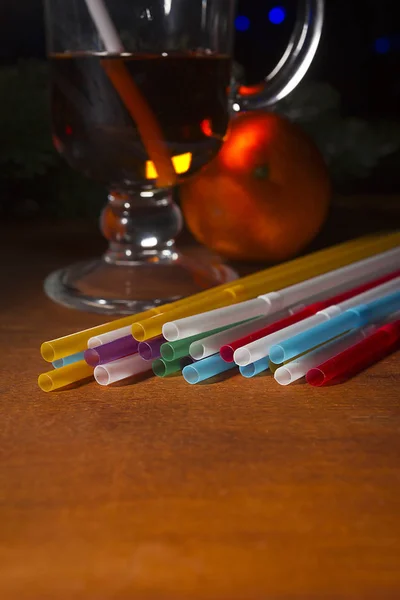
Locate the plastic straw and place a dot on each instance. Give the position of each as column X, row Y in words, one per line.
column 180, row 348
column 292, row 371
column 356, row 358
column 274, row 278
column 256, row 368
column 336, row 322
column 333, row 257
column 262, row 347
column 64, row 376
column 60, row 347
column 273, row 302
column 68, row 360
column 205, row 369
column 104, row 26
column 121, row 369
column 111, row 336
column 162, row 368
column 149, row 130
column 151, row 349
column 112, row 351
column 207, row 346
column 148, row 127
column 227, row 351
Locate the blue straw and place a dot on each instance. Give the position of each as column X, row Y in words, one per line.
column 255, row 368
column 68, row 360
column 206, row 368
column 360, row 316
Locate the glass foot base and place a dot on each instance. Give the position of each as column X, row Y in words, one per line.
column 128, row 287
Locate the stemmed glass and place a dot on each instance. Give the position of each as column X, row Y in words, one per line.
column 141, row 97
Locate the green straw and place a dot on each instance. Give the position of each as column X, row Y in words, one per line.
column 171, row 351
column 163, row 368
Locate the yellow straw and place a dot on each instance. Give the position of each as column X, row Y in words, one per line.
column 65, row 376
column 351, row 251
column 64, row 346
column 272, row 279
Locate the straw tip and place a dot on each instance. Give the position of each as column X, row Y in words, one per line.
column 45, row 382
column 277, row 355
column 102, row 376
column 138, row 332
column 283, row 376
column 159, row 368
column 47, row 352
column 167, row 352
column 197, row 351
column 248, row 371
column 227, row 353
column 191, row 375
column 242, row 357
column 92, row 357
column 315, row 377
column 170, row 331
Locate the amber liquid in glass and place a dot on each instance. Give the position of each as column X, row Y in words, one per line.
column 187, row 94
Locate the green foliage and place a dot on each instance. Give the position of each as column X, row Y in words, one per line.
column 26, row 149
column 351, row 147
column 73, row 195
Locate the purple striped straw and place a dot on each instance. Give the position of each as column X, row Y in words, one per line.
column 150, row 349
column 112, row 351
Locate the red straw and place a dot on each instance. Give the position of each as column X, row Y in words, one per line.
column 356, row 358
column 227, row 351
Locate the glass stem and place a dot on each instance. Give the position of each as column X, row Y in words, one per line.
column 141, row 226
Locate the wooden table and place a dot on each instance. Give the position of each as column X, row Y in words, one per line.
column 162, row 490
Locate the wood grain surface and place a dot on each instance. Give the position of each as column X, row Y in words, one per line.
column 159, row 490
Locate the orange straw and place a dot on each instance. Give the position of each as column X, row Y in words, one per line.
column 149, row 129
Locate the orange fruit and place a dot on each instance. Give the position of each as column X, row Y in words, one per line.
column 264, row 197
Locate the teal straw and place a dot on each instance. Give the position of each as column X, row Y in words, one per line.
column 68, row 360
column 255, row 368
column 353, row 318
column 206, row 368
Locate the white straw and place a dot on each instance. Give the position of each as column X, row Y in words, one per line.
column 213, row 343
column 260, row 348
column 104, row 26
column 121, row 369
column 110, row 336
column 298, row 368
column 318, row 287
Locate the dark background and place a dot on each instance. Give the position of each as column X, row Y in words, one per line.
column 349, row 56
column 359, row 57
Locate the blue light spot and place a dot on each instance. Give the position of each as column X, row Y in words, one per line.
column 242, row 23
column 277, row 15
column 382, row 45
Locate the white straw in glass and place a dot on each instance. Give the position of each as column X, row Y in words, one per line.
column 104, row 26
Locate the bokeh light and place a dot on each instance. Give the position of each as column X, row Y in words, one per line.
column 277, row 15
column 382, row 45
column 242, row 23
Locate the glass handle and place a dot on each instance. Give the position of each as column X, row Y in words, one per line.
column 294, row 63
